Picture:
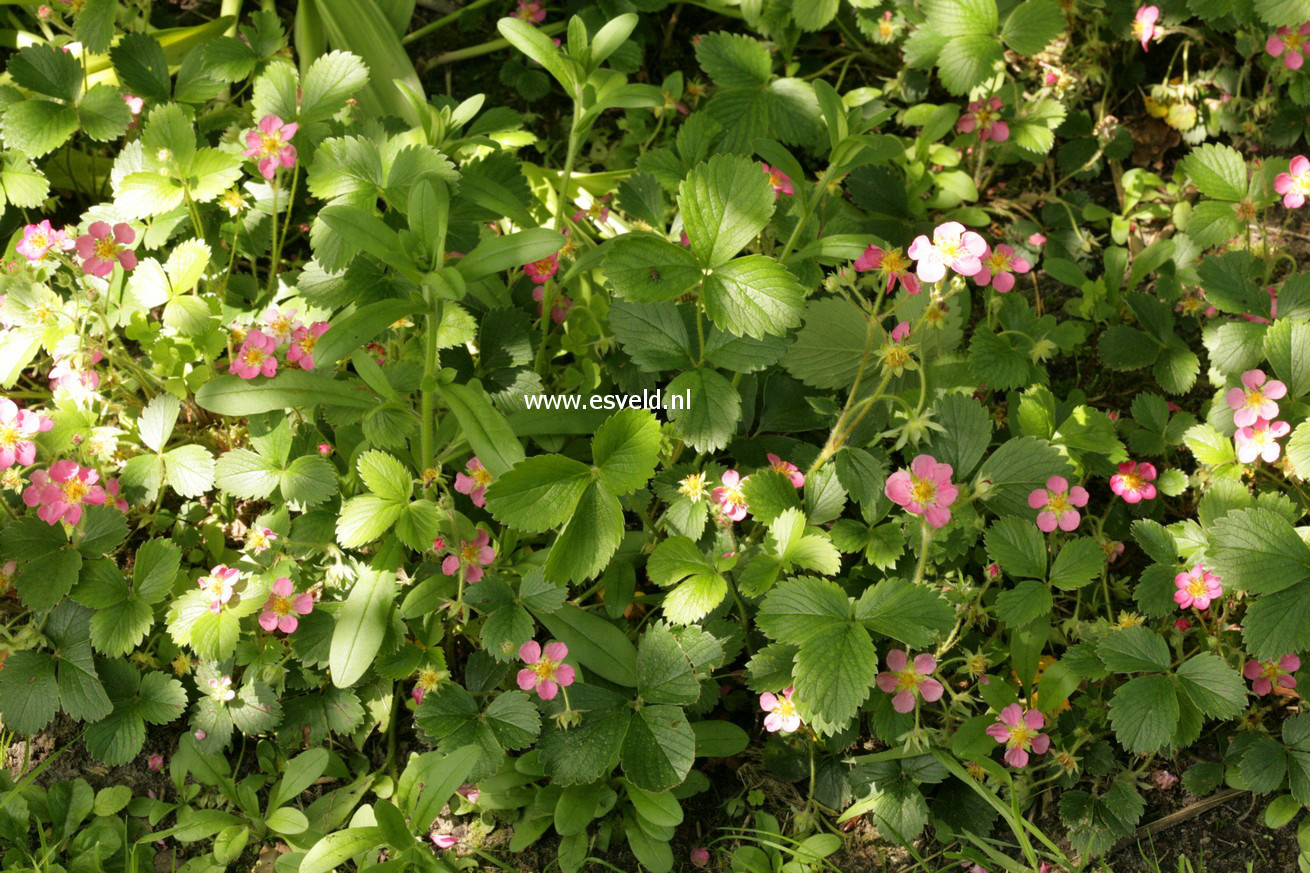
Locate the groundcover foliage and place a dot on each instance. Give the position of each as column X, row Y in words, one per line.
column 978, row 515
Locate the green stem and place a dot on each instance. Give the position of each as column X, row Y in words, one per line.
column 924, row 542
column 486, row 48
column 441, row 22
column 280, row 239
column 431, row 362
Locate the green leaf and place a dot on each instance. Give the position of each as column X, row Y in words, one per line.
column 1032, row 25
column 499, row 253
column 1276, row 624
column 485, row 428
column 711, row 417
column 1024, row 604
column 664, row 675
column 43, row 582
column 834, row 671
column 47, row 70
column 648, row 269
column 142, row 67
column 1134, row 650
column 968, row 432
column 1209, row 446
column 95, row 25
column 753, row 296
column 189, row 470
column 589, row 539
column 1259, row 551
column 537, row 46
column 659, row 748
column 338, row 847
column 1287, row 345
column 29, row 695
column 1017, row 467
column 1144, row 714
column 1127, row 348
column 103, row 114
column 797, row 610
column 901, row 610
column 364, row 519
column 596, row 643
column 725, row 203
column 769, row 493
column 240, row 398
column 361, row 624
column 246, row 475
column 1079, row 562
column 328, row 82
column 539, row 493
column 37, row 126
column 828, row 349
column 1018, row 546
column 1217, row 171
column 653, row 335
column 967, row 60
column 626, row 449
column 385, row 476
column 1213, row 686
column 308, row 480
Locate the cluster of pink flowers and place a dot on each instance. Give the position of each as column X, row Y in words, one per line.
column 103, row 246
column 780, row 181
column 924, row 489
column 984, row 116
column 60, row 493
column 475, row 482
column 18, row 429
column 960, row 250
column 782, row 714
column 559, row 307
column 905, row 679
column 269, row 143
column 38, row 239
column 1197, row 588
column 472, row 555
column 284, row 607
column 258, row 353
column 1255, row 409
column 1266, row 675
column 546, row 673
column 1020, row 731
column 1058, row 504
column 531, row 11
column 1134, row 481
column 1288, row 43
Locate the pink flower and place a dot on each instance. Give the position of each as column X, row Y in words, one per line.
column 1183, row 625
column 61, row 492
column 782, row 715
column 1287, row 42
column 1196, row 588
column 540, row 271
column 925, row 489
column 155, row 762
column 531, row 11
column 220, row 688
column 280, row 324
column 546, row 672
column 475, row 482
column 260, row 539
column 984, row 116
column 907, row 680
column 469, row 793
column 41, row 238
column 729, row 496
column 892, row 264
column 788, row 469
column 256, row 356
column 283, row 606
column 1037, row 240
column 325, row 449
column 111, row 495
column 444, row 841
column 1260, row 441
column 1294, row 185
column 1255, row 399
column 1019, row 730
column 951, row 246
column 1144, row 25
column 18, row 427
column 999, row 266
column 700, row 857
column 303, row 341
column 417, row 693
column 1163, row 779
column 134, row 104
column 1133, row 481
column 219, row 586
column 993, row 571
column 1059, row 504
column 101, row 246
column 780, row 181
column 900, row 332
column 270, row 144
column 473, row 555
column 1265, row 675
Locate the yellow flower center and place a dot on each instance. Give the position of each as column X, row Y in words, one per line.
column 785, row 708
column 253, row 356
column 429, row 679
column 1058, row 503
column 894, row 262
column 1139, row 28
column 1196, row 587
column 1292, row 42
column 41, row 313
column 934, row 315
column 998, row 262
column 270, row 144
column 897, row 357
column 984, row 117
column 8, row 436
column 38, row 239
column 885, row 29
column 468, row 553
column 1254, row 398
column 1021, row 736
column 693, row 486
column 907, row 681
column 75, row 490
column 1132, row 481
column 733, row 497
column 1271, row 670
column 106, row 249
column 281, row 324
column 544, row 669
column 481, row 477
column 281, row 605
column 924, row 491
